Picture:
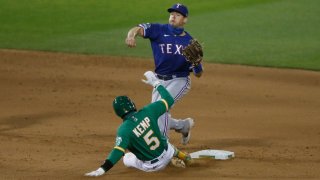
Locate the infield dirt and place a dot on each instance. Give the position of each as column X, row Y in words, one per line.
column 57, row 121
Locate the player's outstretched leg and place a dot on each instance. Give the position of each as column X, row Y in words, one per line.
column 182, row 126
column 186, row 130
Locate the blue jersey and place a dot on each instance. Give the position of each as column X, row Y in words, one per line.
column 167, row 49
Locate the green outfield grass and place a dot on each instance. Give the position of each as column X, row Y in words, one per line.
column 275, row 33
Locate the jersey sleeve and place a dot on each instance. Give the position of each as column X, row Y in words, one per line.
column 121, row 144
column 151, row 31
column 156, row 109
column 166, row 97
column 160, row 107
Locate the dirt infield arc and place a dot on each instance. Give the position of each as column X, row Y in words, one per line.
column 57, row 122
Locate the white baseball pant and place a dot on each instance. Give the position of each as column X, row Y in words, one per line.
column 177, row 87
column 130, row 160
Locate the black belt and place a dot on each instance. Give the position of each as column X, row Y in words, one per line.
column 157, row 159
column 154, row 161
column 169, row 77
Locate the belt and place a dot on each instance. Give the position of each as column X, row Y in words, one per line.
column 154, row 161
column 158, row 158
column 169, row 77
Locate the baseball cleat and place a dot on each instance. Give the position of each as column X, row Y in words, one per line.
column 179, row 163
column 176, row 162
column 186, row 131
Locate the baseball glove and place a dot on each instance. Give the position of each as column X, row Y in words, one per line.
column 193, row 52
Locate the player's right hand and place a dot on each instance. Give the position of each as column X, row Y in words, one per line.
column 131, row 42
column 151, row 79
column 98, row 172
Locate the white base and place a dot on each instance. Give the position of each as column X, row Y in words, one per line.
column 214, row 154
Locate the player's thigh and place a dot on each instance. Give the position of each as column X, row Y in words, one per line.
column 179, row 87
column 130, row 160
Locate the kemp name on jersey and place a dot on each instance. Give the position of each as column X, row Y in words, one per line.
column 141, row 127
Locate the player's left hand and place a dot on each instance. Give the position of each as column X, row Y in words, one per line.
column 98, row 172
column 193, row 52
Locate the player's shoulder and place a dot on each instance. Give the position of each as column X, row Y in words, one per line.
column 188, row 34
column 153, row 25
column 151, row 108
column 126, row 126
column 146, row 110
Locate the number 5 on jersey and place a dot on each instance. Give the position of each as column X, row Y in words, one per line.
column 148, row 138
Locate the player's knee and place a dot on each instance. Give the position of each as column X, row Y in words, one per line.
column 128, row 159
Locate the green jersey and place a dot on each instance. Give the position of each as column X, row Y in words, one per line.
column 140, row 134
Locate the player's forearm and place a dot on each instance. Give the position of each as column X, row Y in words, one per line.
column 133, row 32
column 112, row 159
column 107, row 165
column 165, row 95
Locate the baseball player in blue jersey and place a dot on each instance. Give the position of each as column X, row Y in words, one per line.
column 171, row 67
